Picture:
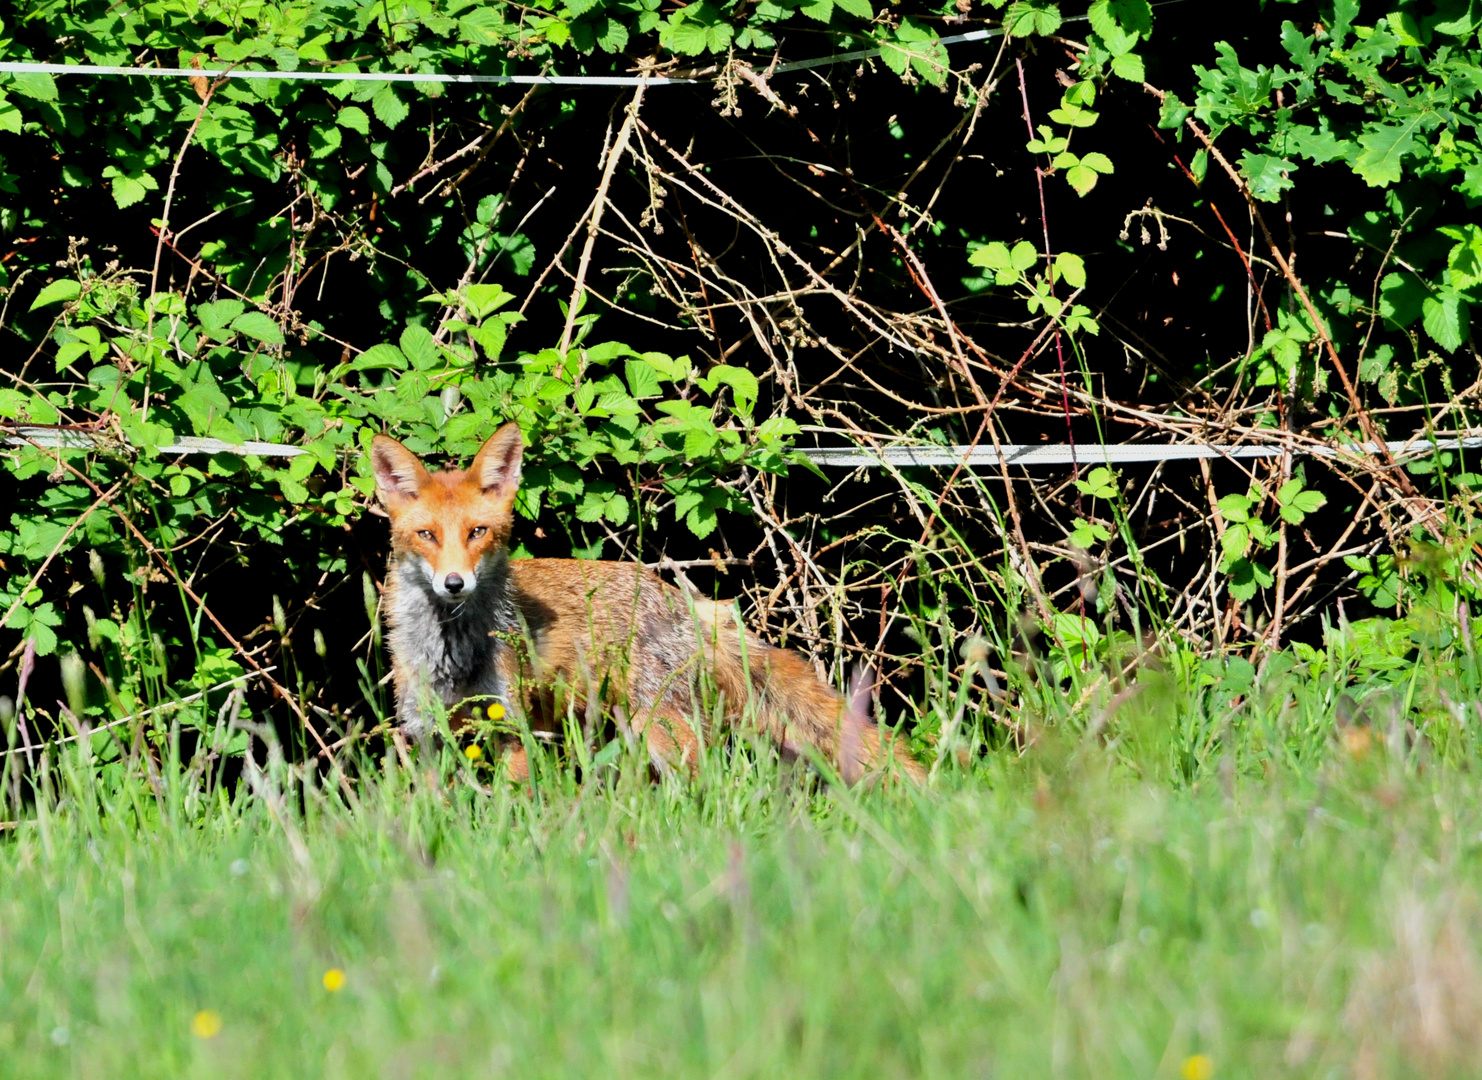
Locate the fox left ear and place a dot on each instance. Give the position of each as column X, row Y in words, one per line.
column 496, row 467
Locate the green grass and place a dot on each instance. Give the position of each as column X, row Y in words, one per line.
column 1044, row 915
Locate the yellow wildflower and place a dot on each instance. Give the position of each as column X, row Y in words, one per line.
column 496, row 711
column 334, row 979
column 474, row 752
column 206, row 1024
column 1197, row 1067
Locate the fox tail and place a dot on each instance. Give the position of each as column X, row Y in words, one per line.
column 792, row 705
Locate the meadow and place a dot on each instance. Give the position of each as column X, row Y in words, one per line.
column 1285, row 882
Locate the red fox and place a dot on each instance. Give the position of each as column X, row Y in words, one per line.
column 466, row 624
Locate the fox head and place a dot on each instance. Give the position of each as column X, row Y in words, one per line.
column 447, row 524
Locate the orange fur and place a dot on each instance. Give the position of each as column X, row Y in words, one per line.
column 610, row 631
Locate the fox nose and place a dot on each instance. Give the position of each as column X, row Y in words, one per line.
column 453, row 583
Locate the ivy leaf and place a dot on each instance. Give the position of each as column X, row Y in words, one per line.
column 1267, row 176
column 1445, row 317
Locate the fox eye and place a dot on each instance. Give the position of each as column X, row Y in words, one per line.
column 477, row 531
column 426, row 534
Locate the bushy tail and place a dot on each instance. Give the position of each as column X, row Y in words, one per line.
column 778, row 691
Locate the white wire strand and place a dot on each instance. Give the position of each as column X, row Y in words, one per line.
column 848, row 457
column 23, row 67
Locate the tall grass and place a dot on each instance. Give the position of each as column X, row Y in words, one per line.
column 1202, row 873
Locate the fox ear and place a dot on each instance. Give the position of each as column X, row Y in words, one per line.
column 399, row 475
column 496, row 467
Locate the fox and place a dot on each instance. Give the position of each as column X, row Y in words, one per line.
column 467, row 627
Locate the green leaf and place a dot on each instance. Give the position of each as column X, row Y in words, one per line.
column 860, row 9
column 418, row 347
column 743, row 385
column 380, row 357
column 1235, row 508
column 1129, row 66
column 61, row 291
column 1400, row 297
column 1384, row 148
column 10, row 116
column 1072, row 268
column 34, row 84
column 1445, row 317
column 1267, row 176
column 256, row 324
column 354, row 118
column 643, row 380
column 388, row 107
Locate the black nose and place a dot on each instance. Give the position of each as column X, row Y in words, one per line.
column 453, row 583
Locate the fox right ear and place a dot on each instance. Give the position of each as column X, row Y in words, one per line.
column 399, row 474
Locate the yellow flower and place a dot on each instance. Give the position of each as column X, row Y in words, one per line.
column 474, row 752
column 1198, row 1067
column 496, row 711
column 334, row 979
column 206, row 1024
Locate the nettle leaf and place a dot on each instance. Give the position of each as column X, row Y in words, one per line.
column 61, row 291
column 1267, row 176
column 1384, row 148
column 257, row 325
column 1445, row 317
